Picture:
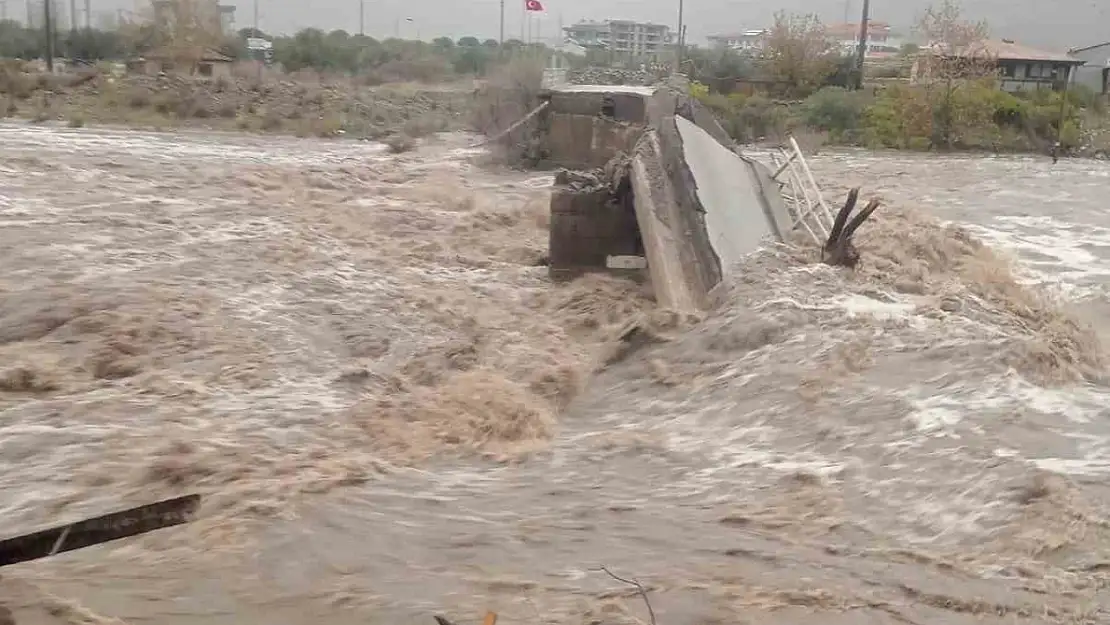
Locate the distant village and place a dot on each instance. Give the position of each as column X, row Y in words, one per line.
column 1021, row 67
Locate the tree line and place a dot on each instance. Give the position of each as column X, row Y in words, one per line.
column 309, row 48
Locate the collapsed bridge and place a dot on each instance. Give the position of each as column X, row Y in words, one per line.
column 651, row 183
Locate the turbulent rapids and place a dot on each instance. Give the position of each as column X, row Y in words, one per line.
column 391, row 410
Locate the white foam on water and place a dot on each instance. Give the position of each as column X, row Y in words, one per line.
column 856, row 304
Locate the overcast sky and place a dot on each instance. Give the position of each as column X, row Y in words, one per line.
column 1053, row 23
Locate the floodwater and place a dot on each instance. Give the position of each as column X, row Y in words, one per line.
column 357, row 358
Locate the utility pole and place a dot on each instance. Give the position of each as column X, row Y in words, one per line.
column 71, row 48
column 362, row 18
column 501, row 36
column 681, row 44
column 862, row 52
column 48, row 26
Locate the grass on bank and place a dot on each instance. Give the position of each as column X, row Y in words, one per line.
column 971, row 116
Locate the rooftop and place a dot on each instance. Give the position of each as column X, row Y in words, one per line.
column 591, row 24
column 740, row 35
column 1009, row 50
column 852, row 29
column 1088, row 48
column 633, row 89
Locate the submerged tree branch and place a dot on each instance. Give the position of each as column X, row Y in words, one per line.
column 840, row 250
column 638, row 586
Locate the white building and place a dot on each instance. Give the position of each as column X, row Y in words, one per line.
column 743, row 41
column 621, row 36
column 227, row 18
column 882, row 41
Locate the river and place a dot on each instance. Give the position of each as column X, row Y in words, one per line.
column 359, row 361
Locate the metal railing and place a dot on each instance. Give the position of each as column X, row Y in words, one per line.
column 803, row 197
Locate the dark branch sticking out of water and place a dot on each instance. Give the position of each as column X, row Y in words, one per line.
column 639, row 587
column 839, row 249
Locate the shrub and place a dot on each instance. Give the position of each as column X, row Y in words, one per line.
column 749, row 118
column 510, row 93
column 698, row 90
column 270, row 121
column 836, row 110
column 400, row 143
column 164, row 104
column 899, row 117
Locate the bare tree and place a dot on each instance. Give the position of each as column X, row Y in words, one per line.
column 799, row 53
column 956, row 53
column 181, row 30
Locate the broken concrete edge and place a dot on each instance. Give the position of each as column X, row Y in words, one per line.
column 684, row 213
column 662, row 248
column 684, row 266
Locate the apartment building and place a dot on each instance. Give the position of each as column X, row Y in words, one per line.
column 621, row 36
column 742, row 41
column 882, row 41
column 227, row 18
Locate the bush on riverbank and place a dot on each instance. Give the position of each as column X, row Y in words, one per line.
column 972, row 115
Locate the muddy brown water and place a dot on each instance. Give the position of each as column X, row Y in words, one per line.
column 229, row 314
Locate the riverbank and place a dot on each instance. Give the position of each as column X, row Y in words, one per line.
column 270, row 106
column 975, row 117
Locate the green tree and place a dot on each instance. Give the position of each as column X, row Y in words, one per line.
column 955, row 57
column 799, row 55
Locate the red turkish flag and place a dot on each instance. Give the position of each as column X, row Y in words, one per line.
column 533, row 5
